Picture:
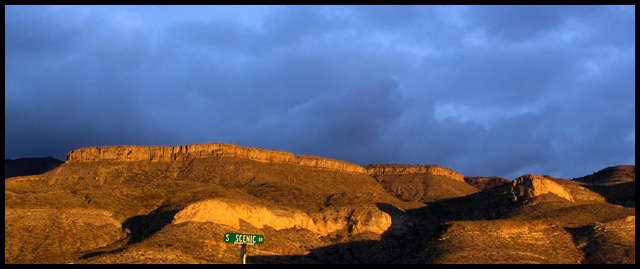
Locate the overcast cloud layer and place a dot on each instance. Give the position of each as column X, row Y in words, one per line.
column 486, row 91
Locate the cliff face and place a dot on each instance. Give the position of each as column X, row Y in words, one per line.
column 530, row 185
column 182, row 153
column 188, row 152
column 360, row 219
column 403, row 169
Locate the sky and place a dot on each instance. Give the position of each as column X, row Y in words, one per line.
column 483, row 90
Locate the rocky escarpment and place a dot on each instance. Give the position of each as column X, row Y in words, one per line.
column 529, row 186
column 403, row 169
column 356, row 220
column 182, row 153
column 188, row 152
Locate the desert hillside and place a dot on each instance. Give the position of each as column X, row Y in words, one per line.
column 141, row 204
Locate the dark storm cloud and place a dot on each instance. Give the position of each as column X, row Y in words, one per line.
column 70, row 84
column 341, row 124
column 520, row 23
column 484, row 90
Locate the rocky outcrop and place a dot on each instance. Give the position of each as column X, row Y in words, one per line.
column 529, row 186
column 364, row 218
column 402, row 169
column 188, row 152
column 181, row 153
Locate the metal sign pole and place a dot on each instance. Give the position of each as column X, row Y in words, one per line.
column 243, row 253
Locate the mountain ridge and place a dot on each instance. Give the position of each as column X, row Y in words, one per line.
column 187, row 152
column 206, row 150
column 137, row 204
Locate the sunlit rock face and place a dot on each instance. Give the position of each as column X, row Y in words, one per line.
column 402, row 169
column 355, row 220
column 181, row 153
column 188, row 152
column 529, row 186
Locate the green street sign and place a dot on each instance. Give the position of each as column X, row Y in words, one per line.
column 249, row 239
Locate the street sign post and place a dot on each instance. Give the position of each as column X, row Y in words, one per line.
column 244, row 240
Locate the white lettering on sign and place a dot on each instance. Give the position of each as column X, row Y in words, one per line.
column 250, row 239
column 245, row 239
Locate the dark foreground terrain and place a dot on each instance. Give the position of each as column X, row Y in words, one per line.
column 174, row 204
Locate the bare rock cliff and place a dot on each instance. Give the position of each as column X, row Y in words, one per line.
column 366, row 218
column 529, row 186
column 181, row 153
column 402, row 169
column 188, row 152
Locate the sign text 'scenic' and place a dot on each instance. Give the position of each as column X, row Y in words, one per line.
column 249, row 239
